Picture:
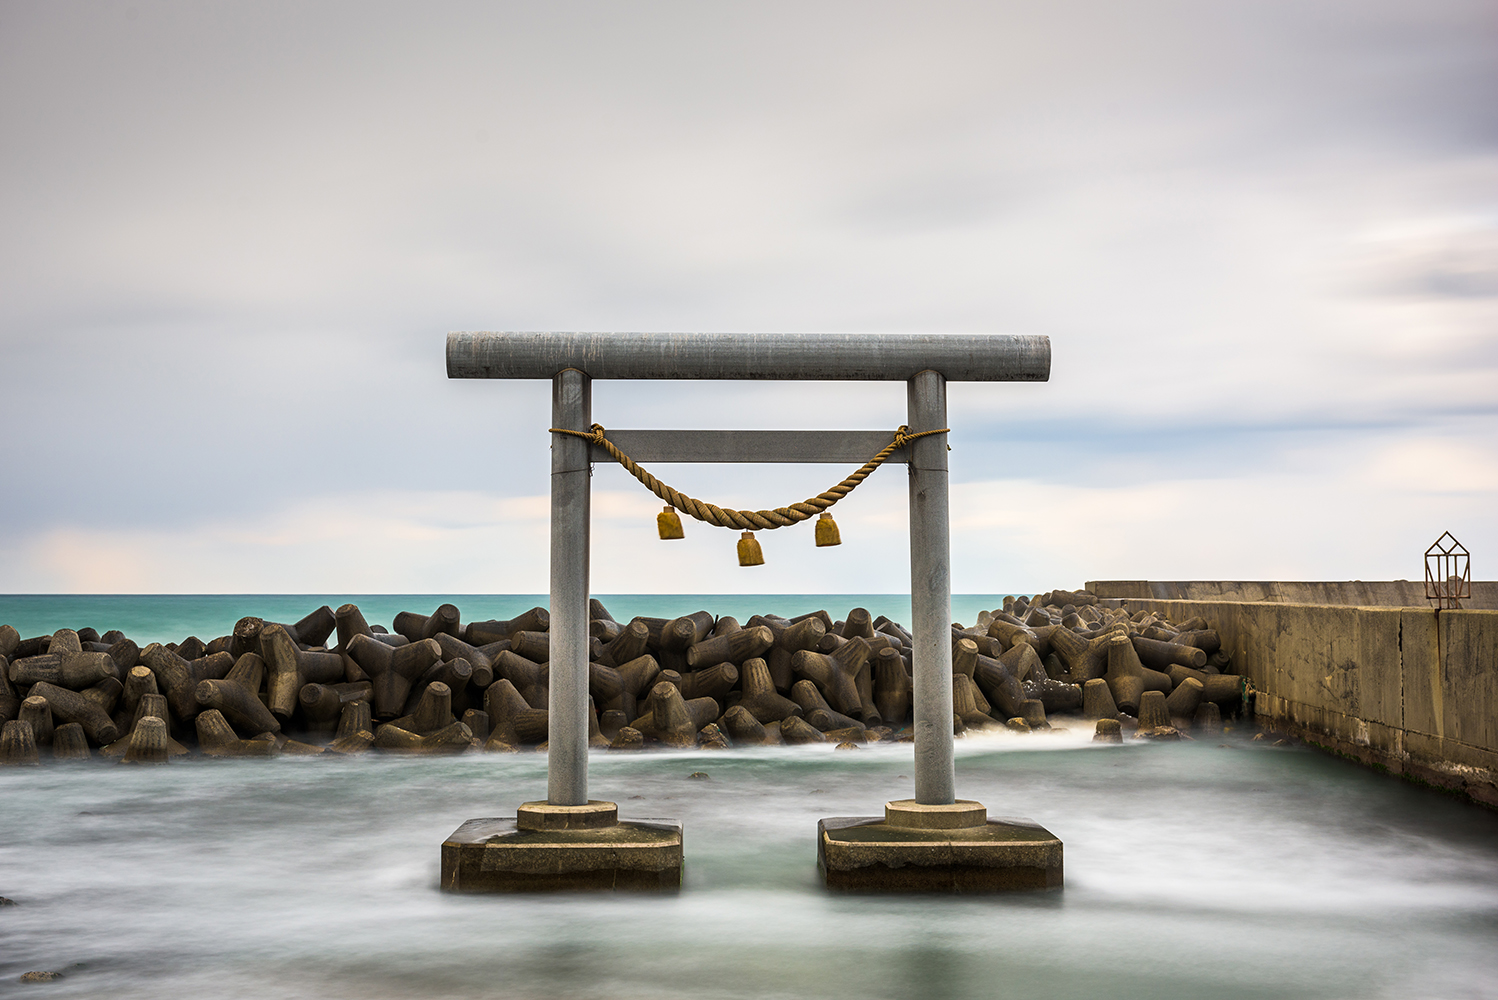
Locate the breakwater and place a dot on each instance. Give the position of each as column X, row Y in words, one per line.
column 432, row 683
column 1352, row 593
column 1409, row 690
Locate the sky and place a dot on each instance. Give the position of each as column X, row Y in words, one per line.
column 1262, row 236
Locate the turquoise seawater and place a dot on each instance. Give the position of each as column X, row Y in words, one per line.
column 174, row 617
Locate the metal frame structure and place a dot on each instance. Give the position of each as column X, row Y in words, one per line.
column 1448, row 572
column 925, row 362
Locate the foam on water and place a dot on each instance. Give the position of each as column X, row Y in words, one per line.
column 1192, row 870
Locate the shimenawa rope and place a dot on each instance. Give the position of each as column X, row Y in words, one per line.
column 748, row 520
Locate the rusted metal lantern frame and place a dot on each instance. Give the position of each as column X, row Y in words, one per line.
column 1448, row 572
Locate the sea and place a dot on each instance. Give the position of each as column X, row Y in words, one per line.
column 173, row 617
column 1224, row 868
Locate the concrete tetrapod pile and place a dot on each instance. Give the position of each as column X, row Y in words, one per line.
column 435, row 684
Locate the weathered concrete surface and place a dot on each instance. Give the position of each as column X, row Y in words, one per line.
column 1410, row 690
column 869, row 854
column 592, row 815
column 1356, row 593
column 496, row 855
column 957, row 815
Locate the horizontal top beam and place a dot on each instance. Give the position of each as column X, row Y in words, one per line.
column 836, row 447
column 962, row 357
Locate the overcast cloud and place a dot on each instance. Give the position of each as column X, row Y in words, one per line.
column 1263, row 237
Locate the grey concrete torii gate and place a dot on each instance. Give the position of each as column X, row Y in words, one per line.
column 925, row 362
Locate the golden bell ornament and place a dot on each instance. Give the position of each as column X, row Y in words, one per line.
column 668, row 523
column 750, row 554
column 827, row 533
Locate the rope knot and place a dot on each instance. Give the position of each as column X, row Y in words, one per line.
column 903, row 436
column 594, row 436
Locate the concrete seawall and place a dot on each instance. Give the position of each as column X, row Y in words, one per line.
column 1407, row 689
column 1357, row 593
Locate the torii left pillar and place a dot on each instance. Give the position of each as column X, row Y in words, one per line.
column 567, row 757
column 569, row 841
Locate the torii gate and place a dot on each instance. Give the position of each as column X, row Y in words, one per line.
column 571, row 361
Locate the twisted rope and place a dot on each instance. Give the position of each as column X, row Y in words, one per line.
column 748, row 520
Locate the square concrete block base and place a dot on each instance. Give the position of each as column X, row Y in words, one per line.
column 563, row 848
column 948, row 848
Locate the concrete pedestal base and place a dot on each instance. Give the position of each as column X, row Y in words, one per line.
column 949, row 848
column 563, row 848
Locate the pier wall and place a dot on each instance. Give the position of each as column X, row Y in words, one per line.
column 1408, row 689
column 1358, row 593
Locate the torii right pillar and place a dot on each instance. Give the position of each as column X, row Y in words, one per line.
column 934, row 842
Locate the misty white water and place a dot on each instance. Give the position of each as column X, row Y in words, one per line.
column 1192, row 870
